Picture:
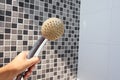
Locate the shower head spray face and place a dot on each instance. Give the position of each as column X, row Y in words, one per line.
column 52, row 28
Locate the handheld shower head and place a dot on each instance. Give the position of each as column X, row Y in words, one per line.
column 51, row 29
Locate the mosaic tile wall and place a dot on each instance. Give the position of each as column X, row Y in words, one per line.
column 20, row 23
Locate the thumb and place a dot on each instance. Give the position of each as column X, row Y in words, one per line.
column 32, row 61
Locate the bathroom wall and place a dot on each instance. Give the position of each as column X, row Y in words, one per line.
column 20, row 24
column 99, row 55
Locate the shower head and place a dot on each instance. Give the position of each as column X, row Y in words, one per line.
column 52, row 28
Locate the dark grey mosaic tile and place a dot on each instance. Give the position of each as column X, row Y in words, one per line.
column 1, row 36
column 2, row 18
column 15, row 8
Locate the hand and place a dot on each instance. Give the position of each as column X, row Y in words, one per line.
column 18, row 65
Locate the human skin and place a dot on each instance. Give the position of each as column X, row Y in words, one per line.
column 18, row 65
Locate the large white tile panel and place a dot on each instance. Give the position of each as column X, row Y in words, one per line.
column 94, row 6
column 115, row 29
column 93, row 62
column 114, row 62
column 116, row 3
column 95, row 28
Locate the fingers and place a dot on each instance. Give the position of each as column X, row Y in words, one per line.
column 28, row 73
column 31, row 68
column 32, row 61
column 24, row 54
column 27, row 62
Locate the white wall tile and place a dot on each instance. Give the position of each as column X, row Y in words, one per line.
column 93, row 6
column 95, row 28
column 93, row 62
column 115, row 23
column 116, row 3
column 99, row 54
column 114, row 62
